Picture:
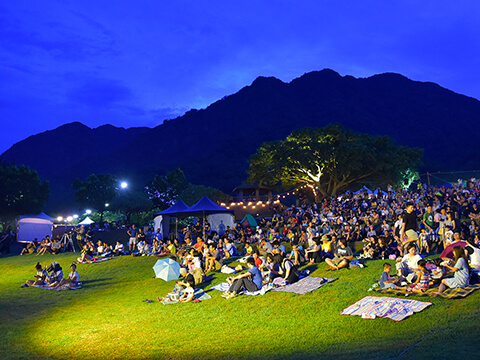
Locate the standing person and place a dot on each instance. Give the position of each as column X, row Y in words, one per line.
column 79, row 231
column 409, row 226
column 132, row 241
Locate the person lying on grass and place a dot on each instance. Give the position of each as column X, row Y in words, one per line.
column 40, row 277
column 250, row 281
column 342, row 258
column 70, row 282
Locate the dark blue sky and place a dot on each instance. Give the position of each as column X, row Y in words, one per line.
column 136, row 63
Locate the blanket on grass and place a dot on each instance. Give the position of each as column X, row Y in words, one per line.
column 305, row 285
column 198, row 296
column 371, row 307
column 447, row 294
column 45, row 287
column 93, row 261
column 225, row 286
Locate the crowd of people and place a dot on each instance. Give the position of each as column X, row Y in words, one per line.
column 395, row 225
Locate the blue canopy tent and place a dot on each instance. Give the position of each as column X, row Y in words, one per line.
column 205, row 206
column 162, row 219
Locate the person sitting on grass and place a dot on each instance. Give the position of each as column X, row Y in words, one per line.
column 422, row 283
column 297, row 254
column 386, row 281
column 287, row 270
column 314, row 255
column 460, row 269
column 30, row 248
column 87, row 254
column 213, row 259
column 229, row 248
column 40, row 277
column 342, row 258
column 183, row 290
column 408, row 265
column 119, row 249
column 70, row 282
column 250, row 281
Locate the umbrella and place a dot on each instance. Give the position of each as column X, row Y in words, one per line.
column 167, row 269
column 448, row 251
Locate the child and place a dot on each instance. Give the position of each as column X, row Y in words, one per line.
column 386, row 282
column 422, row 241
column 448, row 236
column 422, row 283
column 40, row 277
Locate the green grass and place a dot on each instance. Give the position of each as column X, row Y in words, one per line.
column 107, row 319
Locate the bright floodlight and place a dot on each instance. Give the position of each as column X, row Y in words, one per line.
column 107, row 205
column 70, row 218
column 88, row 211
column 123, row 185
column 75, row 216
column 59, row 218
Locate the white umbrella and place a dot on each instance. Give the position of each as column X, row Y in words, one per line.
column 167, row 269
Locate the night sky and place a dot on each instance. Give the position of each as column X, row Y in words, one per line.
column 136, row 63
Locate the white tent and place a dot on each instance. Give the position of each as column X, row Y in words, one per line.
column 219, row 222
column 86, row 221
column 162, row 222
column 31, row 227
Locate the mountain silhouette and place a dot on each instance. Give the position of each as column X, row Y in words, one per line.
column 213, row 145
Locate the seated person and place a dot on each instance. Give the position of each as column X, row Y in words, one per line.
column 314, row 255
column 460, row 269
column 229, row 249
column 473, row 252
column 30, row 248
column 70, row 282
column 183, row 290
column 250, row 281
column 213, row 259
column 342, row 258
column 297, row 254
column 119, row 249
column 87, row 254
column 408, row 265
column 287, row 270
column 278, row 248
column 56, row 274
column 40, row 277
column 386, row 282
column 422, row 283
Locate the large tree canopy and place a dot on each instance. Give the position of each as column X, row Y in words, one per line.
column 95, row 191
column 331, row 159
column 21, row 191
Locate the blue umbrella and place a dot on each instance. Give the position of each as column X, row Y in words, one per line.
column 167, row 269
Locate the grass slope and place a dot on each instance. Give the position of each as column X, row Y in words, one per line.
column 107, row 319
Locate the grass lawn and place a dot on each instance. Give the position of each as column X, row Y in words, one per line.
column 107, row 319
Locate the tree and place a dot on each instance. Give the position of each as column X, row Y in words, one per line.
column 95, row 191
column 21, row 191
column 329, row 160
column 163, row 191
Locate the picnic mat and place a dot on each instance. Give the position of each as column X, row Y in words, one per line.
column 305, row 285
column 447, row 294
column 93, row 261
column 199, row 295
column 371, row 307
column 58, row 289
column 225, row 286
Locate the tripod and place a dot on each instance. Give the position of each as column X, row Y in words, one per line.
column 66, row 241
